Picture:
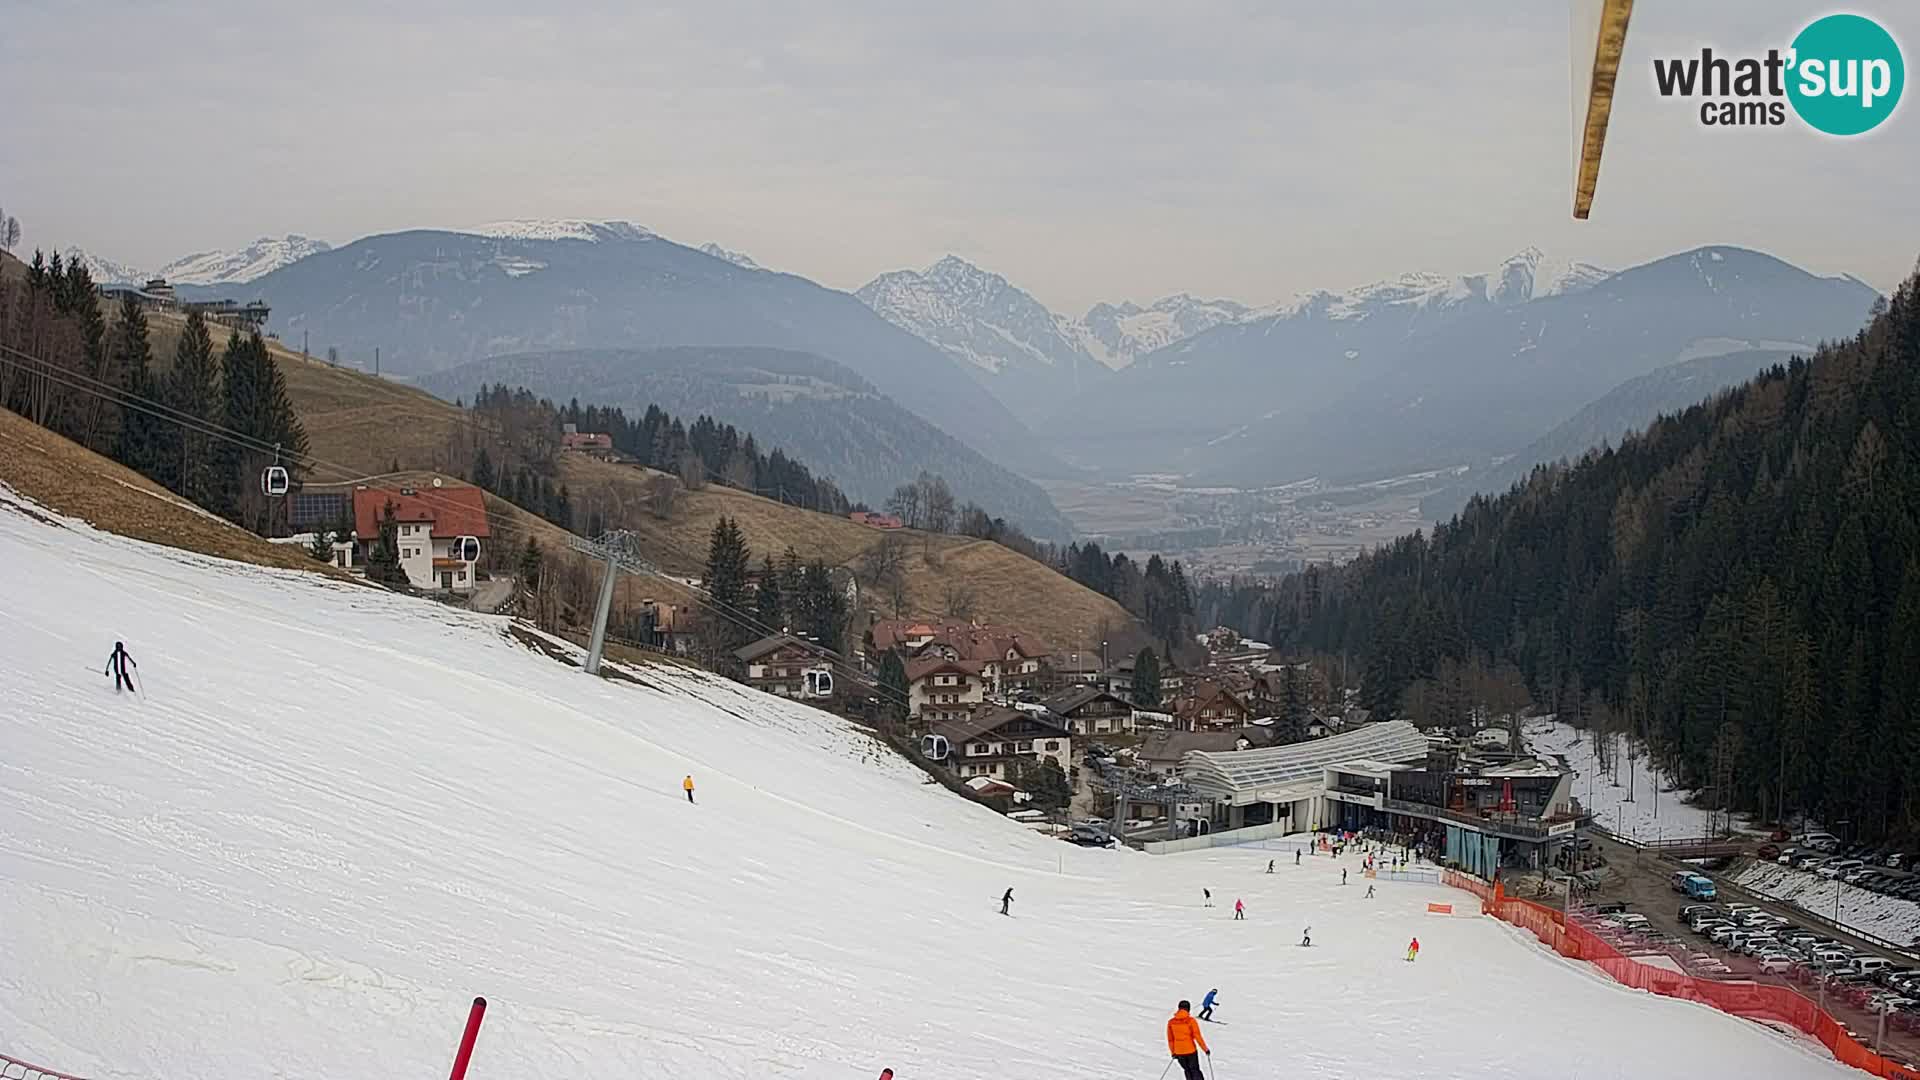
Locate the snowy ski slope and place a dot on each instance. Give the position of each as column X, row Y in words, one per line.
column 335, row 816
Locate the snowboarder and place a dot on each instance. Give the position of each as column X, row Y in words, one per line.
column 1369, row 892
column 1185, row 1042
column 117, row 667
column 1306, row 936
column 1239, row 910
column 1269, row 866
column 1206, row 1004
column 1006, row 901
column 1343, row 875
column 1207, row 896
column 687, row 784
column 1413, row 950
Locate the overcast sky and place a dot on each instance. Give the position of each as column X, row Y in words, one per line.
column 1089, row 151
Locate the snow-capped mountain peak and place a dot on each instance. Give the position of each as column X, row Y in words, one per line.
column 1117, row 334
column 1527, row 275
column 745, row 262
column 106, row 271
column 232, row 267
column 562, row 229
column 257, row 259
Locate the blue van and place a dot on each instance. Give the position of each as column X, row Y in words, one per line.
column 1701, row 888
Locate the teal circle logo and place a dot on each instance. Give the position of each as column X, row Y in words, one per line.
column 1846, row 74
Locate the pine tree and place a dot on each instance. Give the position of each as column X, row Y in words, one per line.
column 893, row 686
column 769, row 606
column 383, row 560
column 1145, row 689
column 143, row 434
column 483, row 477
column 726, row 585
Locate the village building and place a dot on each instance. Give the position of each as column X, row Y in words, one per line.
column 992, row 742
column 1009, row 661
column 781, row 664
column 1210, row 706
column 573, row 440
column 1089, row 710
column 942, row 691
column 426, row 526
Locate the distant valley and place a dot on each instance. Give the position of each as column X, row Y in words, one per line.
column 819, row 411
column 1236, row 435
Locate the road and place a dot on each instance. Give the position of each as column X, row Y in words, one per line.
column 1641, row 881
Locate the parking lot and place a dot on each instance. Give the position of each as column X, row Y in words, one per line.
column 1642, row 884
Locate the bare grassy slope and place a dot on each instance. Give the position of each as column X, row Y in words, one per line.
column 64, row 476
column 1006, row 587
column 360, row 426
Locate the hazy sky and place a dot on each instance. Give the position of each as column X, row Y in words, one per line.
column 1089, row 151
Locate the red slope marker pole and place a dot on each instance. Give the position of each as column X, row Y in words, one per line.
column 466, row 1041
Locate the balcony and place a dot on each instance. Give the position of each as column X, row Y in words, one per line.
column 1500, row 824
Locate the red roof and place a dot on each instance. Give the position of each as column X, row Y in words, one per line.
column 453, row 511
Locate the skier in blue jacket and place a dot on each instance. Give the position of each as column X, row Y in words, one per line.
column 1206, row 1004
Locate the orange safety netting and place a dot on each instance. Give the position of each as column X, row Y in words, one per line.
column 1757, row 1001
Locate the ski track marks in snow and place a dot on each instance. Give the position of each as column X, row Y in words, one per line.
column 335, row 815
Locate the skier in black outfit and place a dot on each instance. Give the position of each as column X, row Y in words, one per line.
column 117, row 667
column 1005, row 901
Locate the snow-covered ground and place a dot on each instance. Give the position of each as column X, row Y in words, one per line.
column 1647, row 817
column 335, row 815
column 1886, row 917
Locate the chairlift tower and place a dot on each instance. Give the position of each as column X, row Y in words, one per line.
column 620, row 550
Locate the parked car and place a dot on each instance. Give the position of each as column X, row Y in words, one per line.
column 1833, row 870
column 1855, row 877
column 1688, row 911
column 1871, row 965
column 1785, row 855
column 1890, row 1002
column 1824, row 841
column 1769, row 851
column 1898, row 861
column 1776, row 963
column 1759, row 944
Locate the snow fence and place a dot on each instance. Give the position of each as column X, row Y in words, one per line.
column 1754, row 1001
column 15, row 1069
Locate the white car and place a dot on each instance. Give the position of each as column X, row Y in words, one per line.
column 1719, row 934
column 1776, row 964
column 1833, row 870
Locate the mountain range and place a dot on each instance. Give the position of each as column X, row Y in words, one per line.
column 229, row 267
column 431, row 300
column 819, row 411
column 1409, row 373
column 1031, row 358
column 1423, row 371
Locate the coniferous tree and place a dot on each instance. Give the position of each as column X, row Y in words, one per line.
column 143, row 432
column 769, row 604
column 383, row 559
column 726, row 585
column 1145, row 689
column 483, row 477
column 893, row 685
column 193, row 389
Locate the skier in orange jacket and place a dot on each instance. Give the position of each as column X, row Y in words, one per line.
column 1185, row 1042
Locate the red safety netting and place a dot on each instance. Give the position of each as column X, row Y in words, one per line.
column 1756, row 1001
column 15, row 1069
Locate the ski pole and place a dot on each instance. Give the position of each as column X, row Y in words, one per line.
column 1168, row 1069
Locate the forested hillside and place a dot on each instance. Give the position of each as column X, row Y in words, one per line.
column 1740, row 585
